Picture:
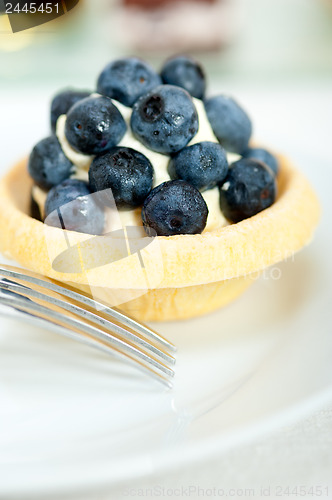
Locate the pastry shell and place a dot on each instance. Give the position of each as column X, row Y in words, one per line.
column 182, row 276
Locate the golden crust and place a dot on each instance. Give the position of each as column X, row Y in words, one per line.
column 183, row 276
column 177, row 261
column 165, row 304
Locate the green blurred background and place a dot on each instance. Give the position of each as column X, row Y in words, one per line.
column 272, row 40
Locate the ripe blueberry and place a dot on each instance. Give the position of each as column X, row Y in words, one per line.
column 128, row 173
column 174, row 207
column 204, row 165
column 48, row 165
column 229, row 122
column 165, row 119
column 127, row 79
column 71, row 206
column 63, row 101
column 264, row 156
column 94, row 125
column 185, row 72
column 249, row 188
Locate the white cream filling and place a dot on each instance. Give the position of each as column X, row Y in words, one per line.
column 205, row 132
column 216, row 217
column 159, row 162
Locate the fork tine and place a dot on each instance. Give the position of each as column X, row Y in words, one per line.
column 114, row 328
column 101, row 335
column 66, row 290
column 88, row 335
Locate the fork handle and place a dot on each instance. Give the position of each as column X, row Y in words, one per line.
column 12, row 310
column 34, row 312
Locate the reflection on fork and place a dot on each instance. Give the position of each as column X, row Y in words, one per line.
column 78, row 316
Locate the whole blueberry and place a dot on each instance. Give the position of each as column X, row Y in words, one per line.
column 174, row 207
column 264, row 156
column 48, row 165
column 127, row 79
column 70, row 205
column 63, row 101
column 94, row 125
column 165, row 119
column 185, row 72
column 229, row 122
column 128, row 173
column 203, row 164
column 249, row 188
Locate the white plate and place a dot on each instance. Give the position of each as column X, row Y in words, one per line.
column 72, row 418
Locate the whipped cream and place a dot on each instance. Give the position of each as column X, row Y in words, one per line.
column 159, row 162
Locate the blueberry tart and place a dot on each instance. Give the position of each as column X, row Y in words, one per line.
column 150, row 195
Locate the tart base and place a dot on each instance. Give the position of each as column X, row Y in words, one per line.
column 182, row 276
column 168, row 304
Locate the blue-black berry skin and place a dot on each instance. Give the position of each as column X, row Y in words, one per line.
column 128, row 173
column 204, row 165
column 63, row 101
column 174, row 207
column 185, row 72
column 78, row 209
column 165, row 119
column 230, row 123
column 264, row 156
column 94, row 125
column 127, row 79
column 249, row 188
column 48, row 165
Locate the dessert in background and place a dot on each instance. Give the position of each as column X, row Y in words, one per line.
column 175, row 25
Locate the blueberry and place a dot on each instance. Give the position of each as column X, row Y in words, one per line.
column 204, row 165
column 174, row 207
column 249, row 188
column 94, row 125
column 165, row 119
column 48, row 165
column 71, row 206
column 264, row 156
column 127, row 79
column 128, row 173
column 185, row 72
column 63, row 101
column 229, row 122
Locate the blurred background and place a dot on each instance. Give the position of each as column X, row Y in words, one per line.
column 254, row 41
column 274, row 56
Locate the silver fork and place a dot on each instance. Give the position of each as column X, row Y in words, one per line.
column 73, row 314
